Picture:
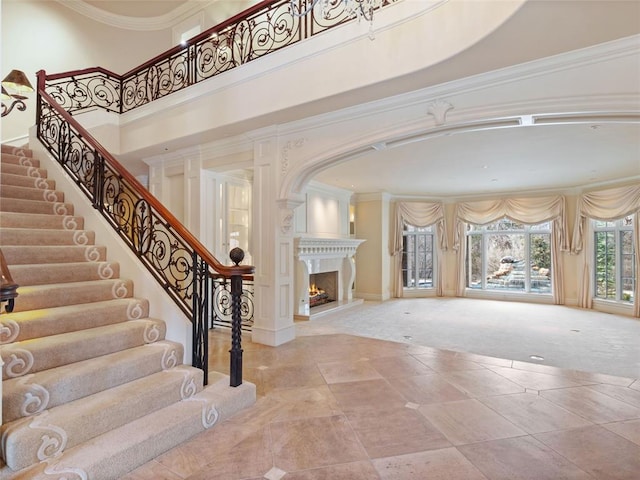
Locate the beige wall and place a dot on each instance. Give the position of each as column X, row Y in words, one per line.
column 46, row 35
column 373, row 275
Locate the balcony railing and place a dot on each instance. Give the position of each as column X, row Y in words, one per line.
column 258, row 31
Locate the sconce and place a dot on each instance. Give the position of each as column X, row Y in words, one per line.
column 16, row 81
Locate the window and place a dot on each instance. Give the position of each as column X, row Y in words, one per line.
column 509, row 256
column 614, row 260
column 417, row 257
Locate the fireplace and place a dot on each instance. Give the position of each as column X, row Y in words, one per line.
column 323, row 288
column 324, row 264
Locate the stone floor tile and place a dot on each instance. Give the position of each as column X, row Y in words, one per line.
column 399, row 366
column 469, row 421
column 522, row 458
column 594, row 406
column 447, row 363
column 290, row 376
column 151, row 471
column 443, row 464
column 340, row 372
column 425, row 389
column 603, row 454
column 395, row 432
column 481, row 383
column 535, row 380
column 362, row 470
column 370, row 395
column 192, row 456
column 314, row 442
column 624, row 394
column 305, row 402
column 584, row 377
column 629, row 429
column 533, row 413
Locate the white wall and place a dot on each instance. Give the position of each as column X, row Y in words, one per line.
column 325, row 212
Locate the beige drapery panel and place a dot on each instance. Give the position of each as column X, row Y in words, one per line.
column 530, row 210
column 418, row 214
column 605, row 205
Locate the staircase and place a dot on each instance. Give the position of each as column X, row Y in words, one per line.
column 91, row 389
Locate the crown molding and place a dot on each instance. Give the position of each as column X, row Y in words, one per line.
column 161, row 22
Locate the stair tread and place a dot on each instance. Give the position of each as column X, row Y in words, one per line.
column 29, row 356
column 43, row 254
column 41, row 221
column 34, row 274
column 29, row 395
column 48, row 237
column 20, row 326
column 117, row 452
column 31, row 193
column 35, row 206
column 81, row 420
column 24, row 181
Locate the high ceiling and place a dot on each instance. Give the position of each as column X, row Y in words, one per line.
column 139, row 8
column 477, row 162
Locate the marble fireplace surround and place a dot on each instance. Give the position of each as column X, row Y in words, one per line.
column 321, row 255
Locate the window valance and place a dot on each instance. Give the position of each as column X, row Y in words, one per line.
column 607, row 204
column 530, row 210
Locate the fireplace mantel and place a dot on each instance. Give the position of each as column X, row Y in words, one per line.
column 319, row 255
column 309, row 248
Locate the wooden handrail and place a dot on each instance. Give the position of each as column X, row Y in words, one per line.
column 227, row 270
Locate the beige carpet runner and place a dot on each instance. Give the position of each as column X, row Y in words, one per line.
column 90, row 387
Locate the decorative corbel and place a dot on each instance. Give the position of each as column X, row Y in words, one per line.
column 438, row 109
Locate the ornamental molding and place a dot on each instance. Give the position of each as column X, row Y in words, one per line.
column 309, row 248
column 160, row 22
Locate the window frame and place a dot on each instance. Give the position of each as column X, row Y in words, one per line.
column 617, row 228
column 427, row 231
column 484, row 231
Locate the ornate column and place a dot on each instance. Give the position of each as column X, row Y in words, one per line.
column 272, row 234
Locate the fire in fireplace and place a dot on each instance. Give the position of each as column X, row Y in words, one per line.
column 322, row 288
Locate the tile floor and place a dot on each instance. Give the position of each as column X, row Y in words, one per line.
column 338, row 406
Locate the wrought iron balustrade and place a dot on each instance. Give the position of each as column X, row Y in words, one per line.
column 258, row 31
column 177, row 260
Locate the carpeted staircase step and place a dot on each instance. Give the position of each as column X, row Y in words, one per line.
column 35, row 206
column 52, row 295
column 33, row 393
column 20, row 255
column 23, row 170
column 34, row 274
column 22, row 151
column 82, row 420
column 20, row 326
column 117, row 452
column 17, row 159
column 22, row 181
column 32, row 236
column 30, row 193
column 42, row 221
column 30, row 356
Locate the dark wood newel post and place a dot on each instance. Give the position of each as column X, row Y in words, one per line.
column 235, row 370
